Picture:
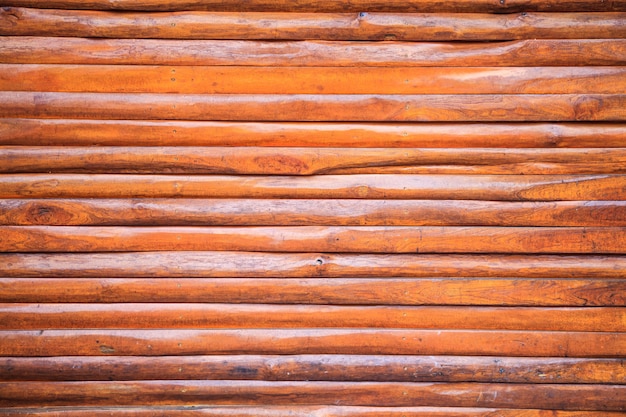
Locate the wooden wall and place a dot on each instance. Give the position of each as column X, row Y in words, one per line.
column 313, row 208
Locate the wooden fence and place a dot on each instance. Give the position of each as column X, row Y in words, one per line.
column 311, row 208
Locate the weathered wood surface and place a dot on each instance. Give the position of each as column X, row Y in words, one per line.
column 378, row 368
column 535, row 52
column 555, row 292
column 313, row 208
column 59, row 132
column 305, row 26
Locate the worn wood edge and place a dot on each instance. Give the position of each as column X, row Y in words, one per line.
column 332, row 291
column 313, row 6
column 547, row 396
column 290, row 212
column 602, row 187
column 563, row 52
column 308, row 161
column 253, row 316
column 316, row 108
column 375, row 368
column 301, row 411
column 302, row 265
column 60, row 132
column 328, row 239
column 16, row 21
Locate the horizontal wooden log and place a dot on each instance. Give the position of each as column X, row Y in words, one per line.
column 302, row 26
column 438, row 187
column 308, row 107
column 341, row 291
column 377, row 368
column 53, row 132
column 311, row 80
column 269, row 265
column 261, row 212
column 317, row 6
column 300, row 411
column 311, row 341
column 333, row 239
column 309, row 161
column 253, row 316
column 567, row 397
column 562, row 52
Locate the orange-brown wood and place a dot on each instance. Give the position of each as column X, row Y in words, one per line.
column 309, row 161
column 53, row 132
column 268, row 265
column 312, row 5
column 341, row 291
column 380, row 368
column 311, row 80
column 569, row 397
column 298, row 26
column 140, row 342
column 558, row 52
column 342, row 239
column 286, row 212
column 444, row 187
column 252, row 107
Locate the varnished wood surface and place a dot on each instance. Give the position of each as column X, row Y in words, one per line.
column 554, row 292
column 63, row 132
column 319, row 26
column 539, row 52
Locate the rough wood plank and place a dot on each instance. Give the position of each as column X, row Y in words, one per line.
column 376, row 368
column 325, row 6
column 341, row 291
column 141, row 342
column 565, row 397
column 308, row 161
column 302, row 26
column 560, row 52
column 270, row 265
column 301, row 411
column 335, row 239
column 38, row 132
column 253, row 316
column 286, row 212
column 438, row 187
column 311, row 80
column 314, row 107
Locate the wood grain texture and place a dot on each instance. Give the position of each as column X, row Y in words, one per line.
column 303, row 26
column 438, row 187
column 305, row 107
column 375, row 368
column 311, row 341
column 254, row 316
column 322, row 291
column 288, row 212
column 323, row 6
column 56, row 132
column 312, row 265
column 301, row 411
column 334, row 239
column 569, row 397
column 558, row 52
column 309, row 161
column 311, row 80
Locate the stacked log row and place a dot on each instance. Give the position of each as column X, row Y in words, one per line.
column 312, row 208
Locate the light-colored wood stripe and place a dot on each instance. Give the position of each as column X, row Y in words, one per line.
column 560, row 52
column 312, row 265
column 55, row 132
column 303, row 26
